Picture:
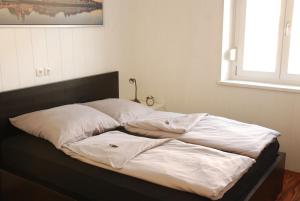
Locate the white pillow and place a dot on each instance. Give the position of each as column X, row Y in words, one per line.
column 65, row 124
column 120, row 109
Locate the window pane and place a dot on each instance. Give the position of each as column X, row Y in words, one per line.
column 294, row 59
column 261, row 35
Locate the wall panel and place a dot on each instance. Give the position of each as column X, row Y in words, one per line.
column 25, row 57
column 54, row 54
column 9, row 60
column 39, row 48
column 66, row 43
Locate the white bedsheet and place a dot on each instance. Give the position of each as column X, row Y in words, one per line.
column 216, row 132
column 178, row 165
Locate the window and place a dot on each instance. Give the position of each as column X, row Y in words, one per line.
column 265, row 41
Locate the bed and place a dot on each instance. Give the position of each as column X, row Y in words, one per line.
column 52, row 175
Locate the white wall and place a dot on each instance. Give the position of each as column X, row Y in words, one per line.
column 177, row 58
column 68, row 52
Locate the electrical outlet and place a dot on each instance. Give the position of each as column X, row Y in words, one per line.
column 39, row 72
column 47, row 71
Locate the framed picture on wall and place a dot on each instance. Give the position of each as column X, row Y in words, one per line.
column 51, row 12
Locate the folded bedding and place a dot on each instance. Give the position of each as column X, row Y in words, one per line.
column 211, row 131
column 178, row 125
column 113, row 148
column 197, row 169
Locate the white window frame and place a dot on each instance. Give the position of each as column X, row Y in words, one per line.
column 280, row 76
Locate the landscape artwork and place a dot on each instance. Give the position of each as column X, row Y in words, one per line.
column 51, row 12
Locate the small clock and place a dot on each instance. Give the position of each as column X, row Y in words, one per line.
column 150, row 101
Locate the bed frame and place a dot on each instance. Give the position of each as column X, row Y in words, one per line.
column 16, row 186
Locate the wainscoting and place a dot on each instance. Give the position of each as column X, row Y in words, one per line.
column 67, row 52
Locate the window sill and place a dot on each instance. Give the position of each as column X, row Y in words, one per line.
column 259, row 85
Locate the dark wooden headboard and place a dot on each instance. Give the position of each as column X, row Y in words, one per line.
column 17, row 102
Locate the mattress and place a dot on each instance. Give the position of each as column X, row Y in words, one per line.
column 40, row 161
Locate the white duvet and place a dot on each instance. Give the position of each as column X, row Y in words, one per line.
column 113, row 148
column 212, row 131
column 177, row 125
column 175, row 164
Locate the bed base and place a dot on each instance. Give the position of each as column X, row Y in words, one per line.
column 18, row 188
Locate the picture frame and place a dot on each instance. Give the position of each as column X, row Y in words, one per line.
column 57, row 13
